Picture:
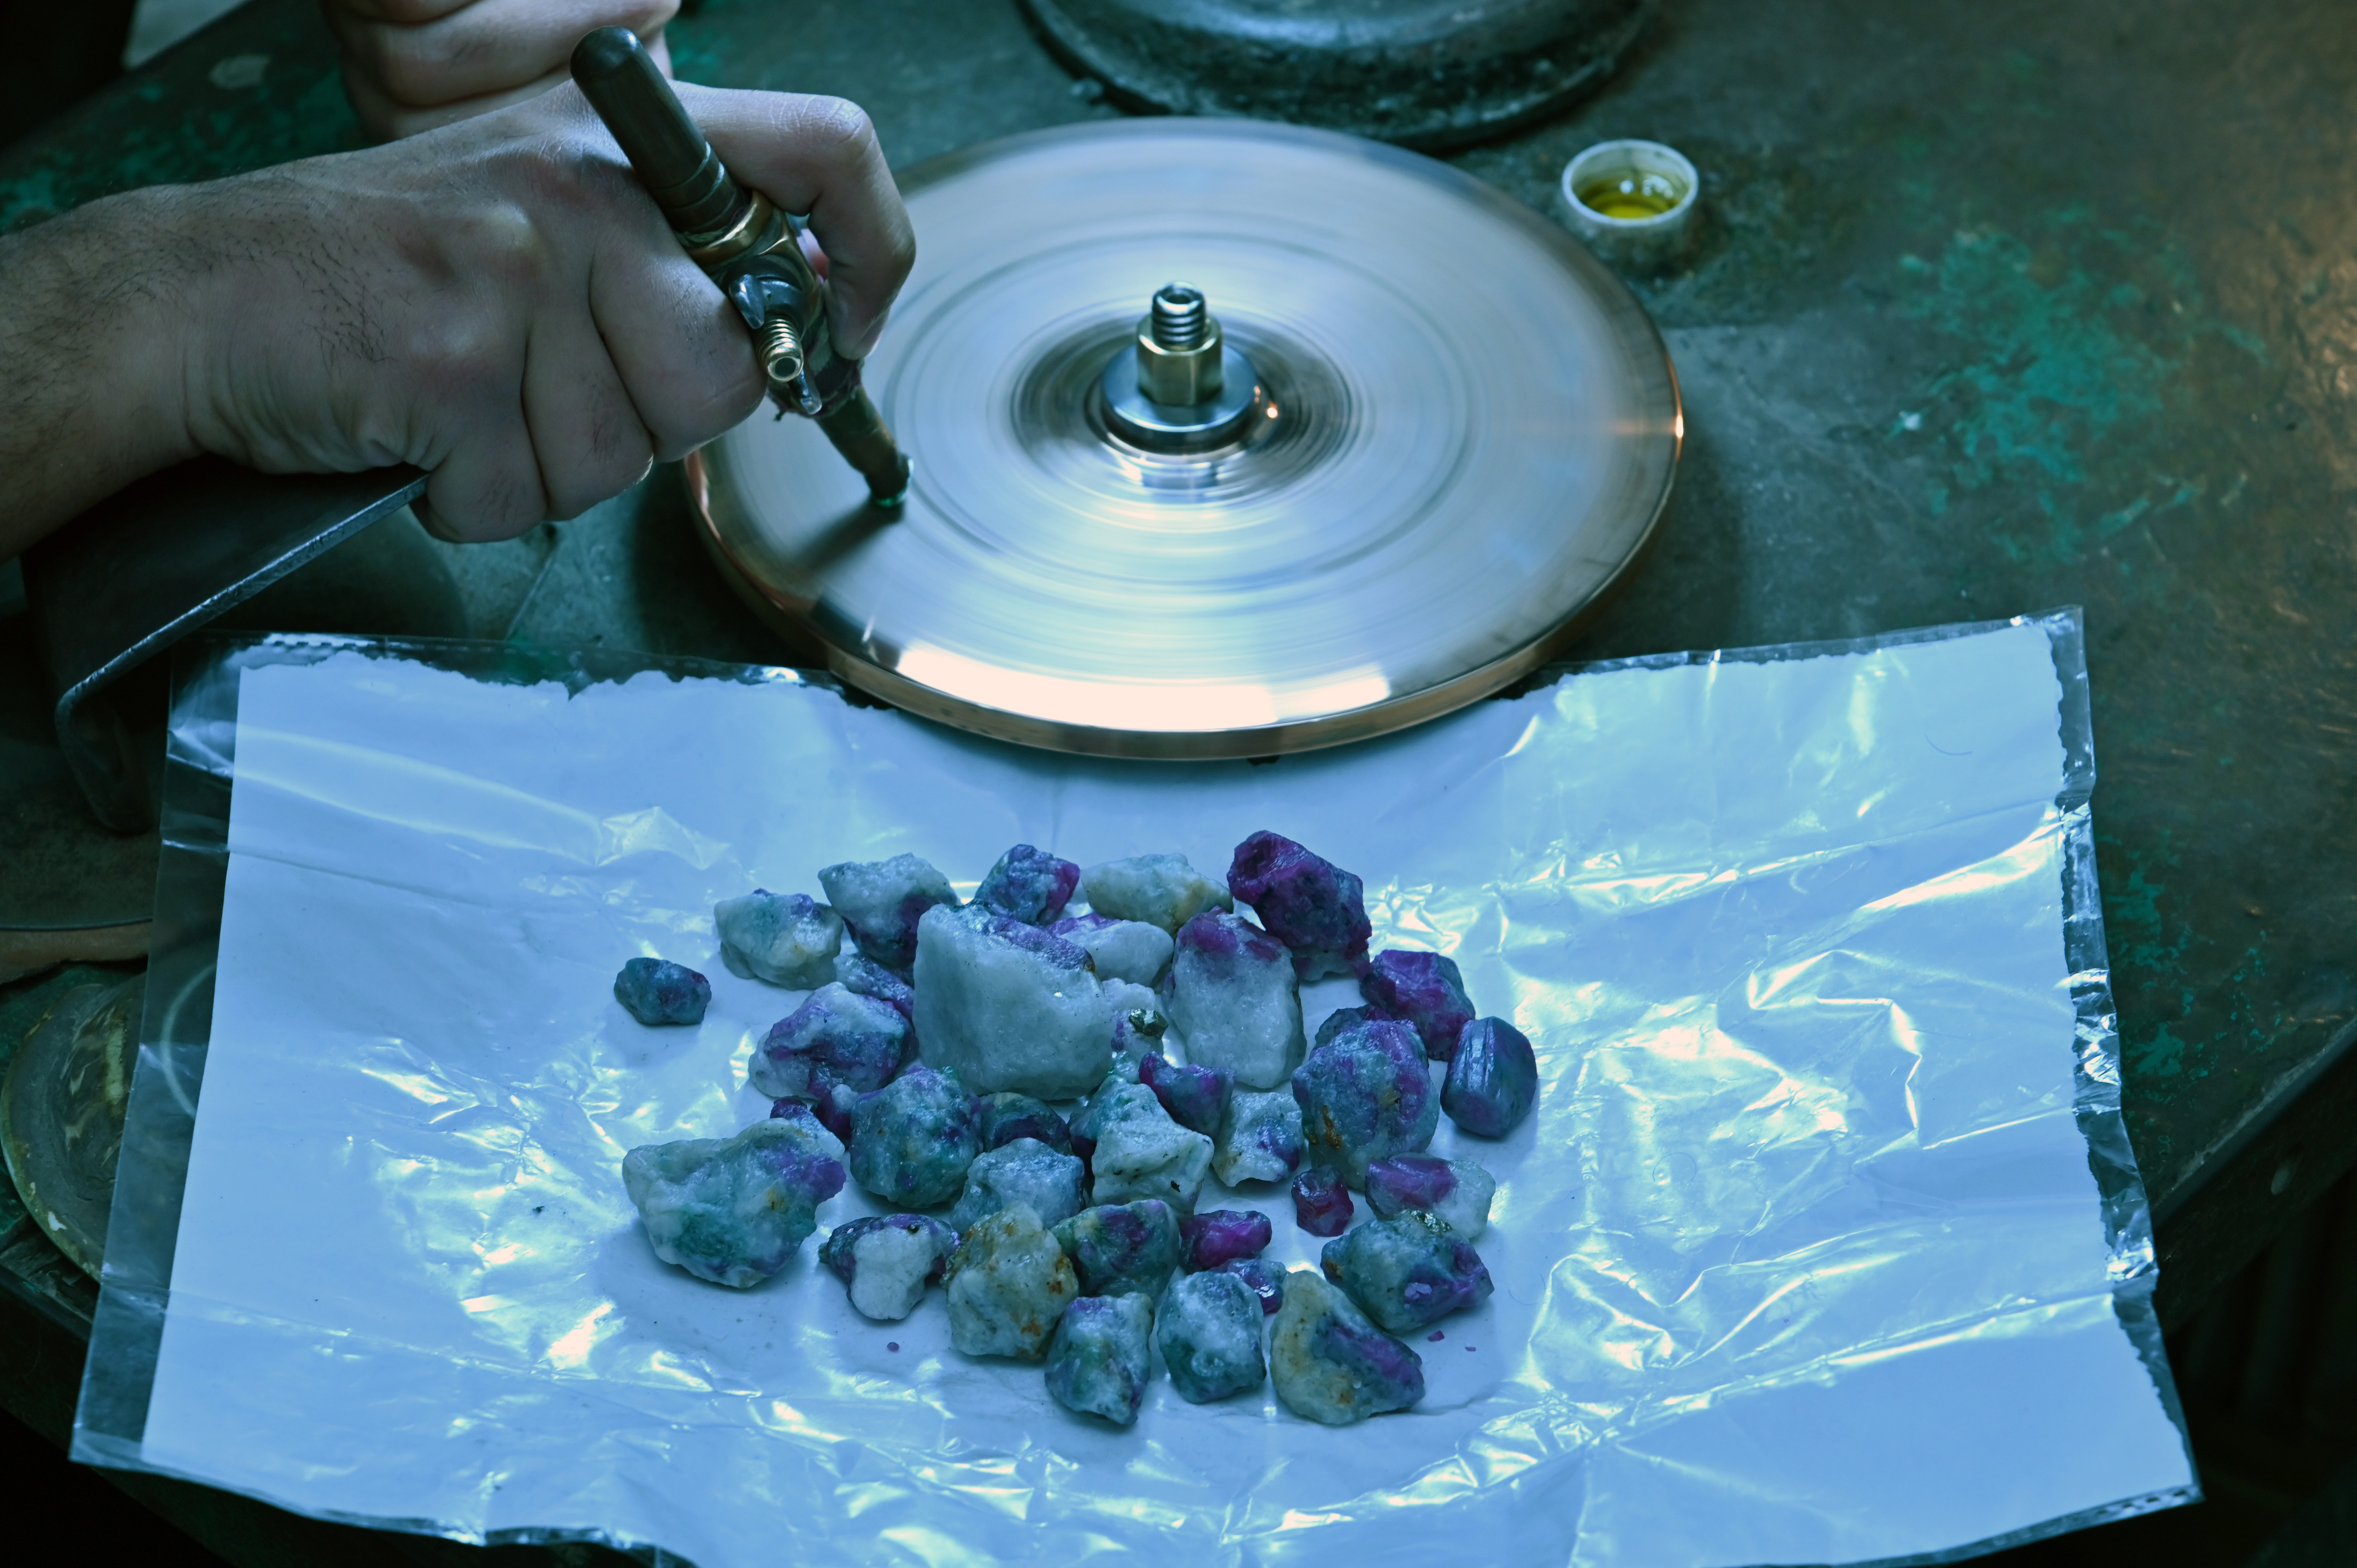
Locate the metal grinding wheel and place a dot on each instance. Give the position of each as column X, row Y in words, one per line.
column 1462, row 430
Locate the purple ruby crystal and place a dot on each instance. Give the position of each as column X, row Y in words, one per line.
column 1495, row 1080
column 1005, row 1117
column 833, row 1110
column 1219, row 1236
column 1321, row 1204
column 657, row 991
column 1266, row 1279
column 1365, row 1094
column 1195, row 1096
column 1456, row 1193
column 1424, row 989
column 1029, row 883
column 1304, row 900
column 838, row 1036
column 1408, row 1181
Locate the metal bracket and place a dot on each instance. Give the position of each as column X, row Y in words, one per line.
column 144, row 568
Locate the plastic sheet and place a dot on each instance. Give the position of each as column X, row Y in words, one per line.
column 1824, row 1244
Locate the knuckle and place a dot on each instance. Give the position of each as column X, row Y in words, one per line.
column 837, row 129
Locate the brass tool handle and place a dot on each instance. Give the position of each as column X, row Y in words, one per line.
column 749, row 245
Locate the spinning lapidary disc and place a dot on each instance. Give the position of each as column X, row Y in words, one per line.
column 1443, row 430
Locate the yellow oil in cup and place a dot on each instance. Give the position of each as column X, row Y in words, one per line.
column 1630, row 193
column 1633, row 203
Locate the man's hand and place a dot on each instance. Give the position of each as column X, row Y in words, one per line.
column 412, row 64
column 498, row 303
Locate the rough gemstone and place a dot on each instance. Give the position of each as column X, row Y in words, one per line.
column 886, row 1261
column 833, row 1110
column 803, row 1112
column 1454, row 1192
column 1196, row 1097
column 1028, row 884
column 1305, row 901
column 1264, row 1276
column 1003, row 1118
column 1219, row 1236
column 1495, row 1080
column 1115, row 1098
column 1123, row 950
column 1407, row 1274
column 1259, row 1137
column 882, row 901
column 1026, row 1171
column 1232, row 991
column 1331, row 1365
column 1099, row 1363
column 1207, row 1329
column 1008, row 1284
column 857, row 972
column 1365, row 1094
column 1144, row 1154
column 1343, row 1018
column 1122, row 1248
column 836, row 1037
column 1008, row 1006
column 912, row 1140
column 1423, row 989
column 1160, row 889
column 735, row 1210
column 786, row 939
column 1321, row 1204
column 657, row 991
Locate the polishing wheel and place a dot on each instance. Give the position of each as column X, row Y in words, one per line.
column 1230, row 439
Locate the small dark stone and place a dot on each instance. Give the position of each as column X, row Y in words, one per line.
column 1219, row 1236
column 657, row 991
column 1029, row 883
column 1266, row 1279
column 1321, row 1204
column 1196, row 1097
column 1424, row 989
column 1305, row 901
column 1495, row 1080
column 1005, row 1117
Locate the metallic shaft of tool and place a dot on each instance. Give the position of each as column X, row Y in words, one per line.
column 750, row 248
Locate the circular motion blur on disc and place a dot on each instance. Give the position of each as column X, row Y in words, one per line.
column 1463, row 429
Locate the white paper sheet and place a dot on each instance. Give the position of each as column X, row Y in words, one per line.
column 1799, row 1260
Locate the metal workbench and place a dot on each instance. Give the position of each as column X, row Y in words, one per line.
column 1999, row 308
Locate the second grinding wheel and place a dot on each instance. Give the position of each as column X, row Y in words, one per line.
column 1457, row 429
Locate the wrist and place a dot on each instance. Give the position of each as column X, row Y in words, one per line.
column 91, row 335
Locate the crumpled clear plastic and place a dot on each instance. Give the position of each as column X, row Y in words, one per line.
column 1824, row 1244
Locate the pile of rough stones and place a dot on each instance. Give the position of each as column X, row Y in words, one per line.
column 922, row 1067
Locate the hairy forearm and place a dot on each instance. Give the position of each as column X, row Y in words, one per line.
column 93, row 310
